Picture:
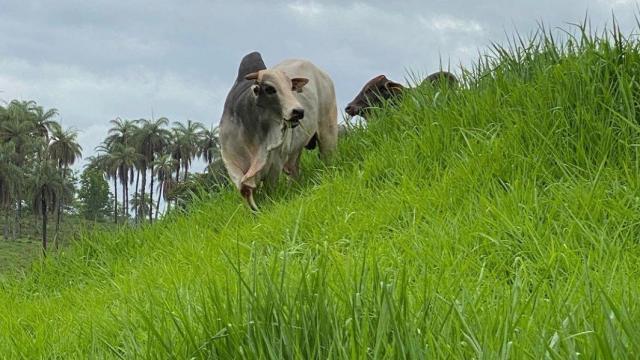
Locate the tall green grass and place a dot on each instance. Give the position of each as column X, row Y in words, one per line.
column 499, row 220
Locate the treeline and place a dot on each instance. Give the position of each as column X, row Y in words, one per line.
column 35, row 156
column 146, row 161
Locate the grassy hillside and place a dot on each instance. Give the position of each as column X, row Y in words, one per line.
column 19, row 254
column 500, row 220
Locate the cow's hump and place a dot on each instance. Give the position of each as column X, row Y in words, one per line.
column 250, row 63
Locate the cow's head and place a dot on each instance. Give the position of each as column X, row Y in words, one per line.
column 372, row 94
column 274, row 90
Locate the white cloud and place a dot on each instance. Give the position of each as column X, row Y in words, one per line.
column 306, row 8
column 87, row 101
column 98, row 60
column 450, row 23
column 618, row 2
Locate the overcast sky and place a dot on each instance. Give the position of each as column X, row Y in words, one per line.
column 97, row 60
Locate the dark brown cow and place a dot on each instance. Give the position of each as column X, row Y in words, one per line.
column 380, row 88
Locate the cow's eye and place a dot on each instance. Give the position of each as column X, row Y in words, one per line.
column 269, row 90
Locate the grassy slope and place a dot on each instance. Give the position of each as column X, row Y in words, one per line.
column 17, row 255
column 501, row 220
column 20, row 254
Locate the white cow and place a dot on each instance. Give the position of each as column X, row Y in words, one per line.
column 270, row 115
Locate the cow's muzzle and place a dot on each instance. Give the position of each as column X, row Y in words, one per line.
column 353, row 110
column 291, row 124
column 297, row 114
column 294, row 124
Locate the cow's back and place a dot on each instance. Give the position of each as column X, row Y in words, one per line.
column 320, row 84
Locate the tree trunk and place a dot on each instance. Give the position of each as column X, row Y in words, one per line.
column 19, row 218
column 186, row 171
column 5, row 227
column 58, row 216
column 142, row 191
column 15, row 223
column 115, row 200
column 151, row 197
column 60, row 204
column 159, row 197
column 128, row 200
column 125, row 206
column 177, row 181
column 126, row 187
column 135, row 211
column 44, row 225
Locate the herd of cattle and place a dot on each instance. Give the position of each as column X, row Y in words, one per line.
column 272, row 114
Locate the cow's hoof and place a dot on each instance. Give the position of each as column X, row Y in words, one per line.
column 247, row 194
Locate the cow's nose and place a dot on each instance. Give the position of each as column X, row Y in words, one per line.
column 297, row 114
column 351, row 110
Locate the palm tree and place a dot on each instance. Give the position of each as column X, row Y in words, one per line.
column 168, row 192
column 187, row 139
column 209, row 147
column 102, row 163
column 11, row 132
column 21, row 110
column 174, row 151
column 8, row 180
column 18, row 129
column 47, row 188
column 19, row 132
column 124, row 132
column 64, row 150
column 64, row 147
column 123, row 159
column 42, row 121
column 142, row 204
column 121, row 133
column 152, row 139
column 27, row 125
column 163, row 168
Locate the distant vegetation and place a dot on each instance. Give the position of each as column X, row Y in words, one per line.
column 499, row 220
column 36, row 155
column 139, row 150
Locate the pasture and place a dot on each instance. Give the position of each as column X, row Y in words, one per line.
column 500, row 220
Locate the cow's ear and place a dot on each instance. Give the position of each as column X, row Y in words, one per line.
column 298, row 83
column 252, row 76
column 394, row 86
